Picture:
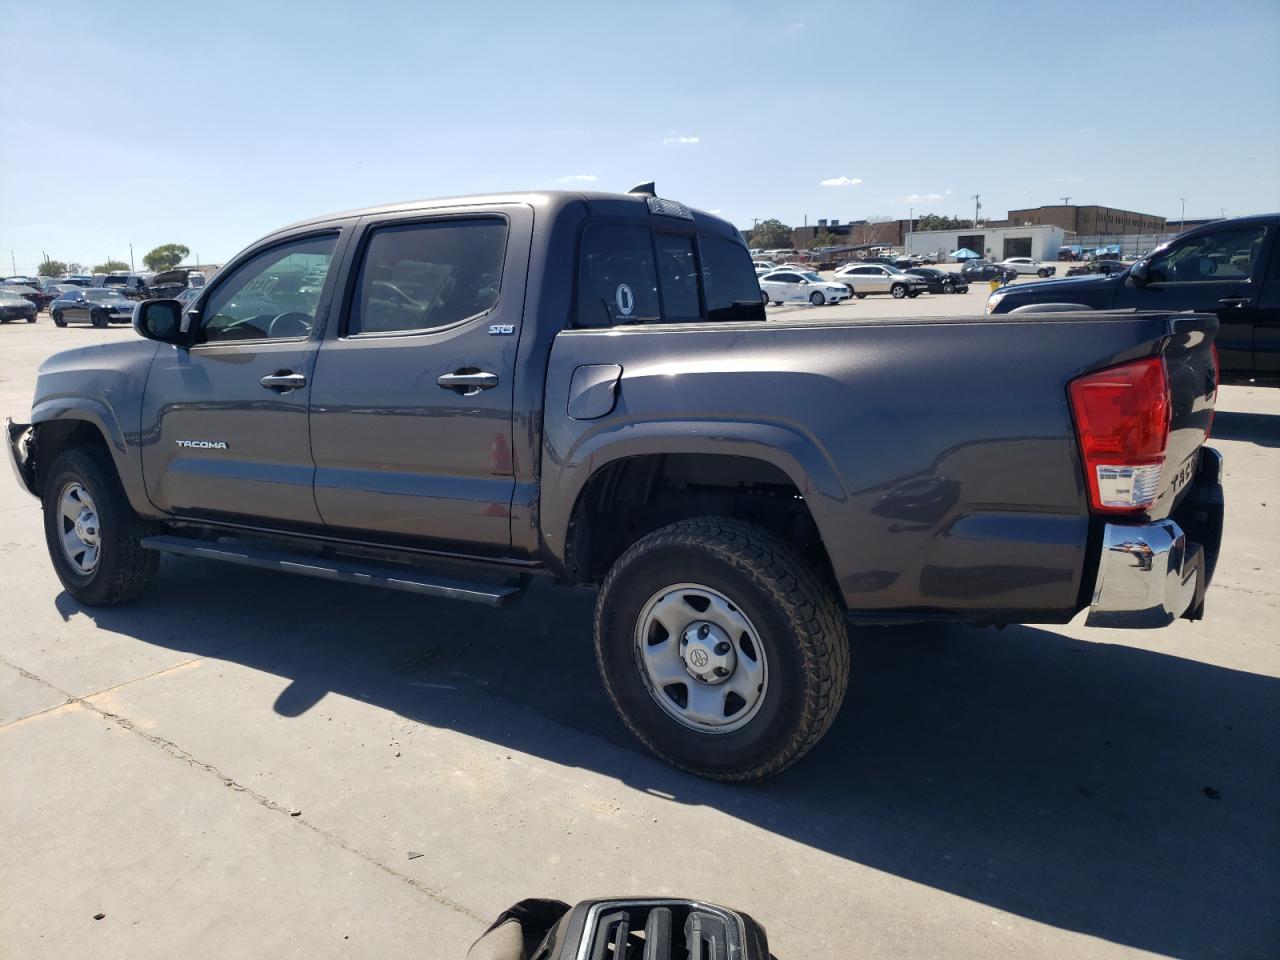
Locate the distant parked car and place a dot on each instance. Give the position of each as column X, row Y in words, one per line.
column 79, row 280
column 1028, row 266
column 865, row 278
column 1105, row 267
column 98, row 305
column 132, row 285
column 975, row 271
column 184, row 297
column 33, row 294
column 941, row 281
column 14, row 307
column 56, row 288
column 764, row 266
column 789, row 285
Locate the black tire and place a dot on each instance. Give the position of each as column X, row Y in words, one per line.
column 817, row 299
column 764, row 297
column 31, row 319
column 98, row 318
column 57, row 319
column 898, row 291
column 861, row 296
column 797, row 616
column 1042, row 273
column 124, row 569
column 913, row 294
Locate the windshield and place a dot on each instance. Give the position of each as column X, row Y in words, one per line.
column 102, row 295
column 811, row 276
column 893, row 269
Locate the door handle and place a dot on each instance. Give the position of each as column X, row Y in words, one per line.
column 284, row 381
column 465, row 383
column 1235, row 301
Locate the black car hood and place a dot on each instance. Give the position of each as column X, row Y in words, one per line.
column 1090, row 281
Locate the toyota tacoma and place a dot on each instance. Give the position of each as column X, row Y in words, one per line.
column 450, row 397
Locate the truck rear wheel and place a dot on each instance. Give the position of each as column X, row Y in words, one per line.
column 93, row 535
column 721, row 648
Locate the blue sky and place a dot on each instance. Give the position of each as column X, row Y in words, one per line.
column 211, row 124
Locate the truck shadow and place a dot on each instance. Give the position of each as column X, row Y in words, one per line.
column 1260, row 428
column 1121, row 793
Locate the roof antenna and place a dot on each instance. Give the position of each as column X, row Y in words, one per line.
column 646, row 189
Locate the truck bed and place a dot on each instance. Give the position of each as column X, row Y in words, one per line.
column 937, row 456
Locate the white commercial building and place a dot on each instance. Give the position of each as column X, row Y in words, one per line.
column 994, row 243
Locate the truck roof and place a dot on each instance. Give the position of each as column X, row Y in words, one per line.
column 553, row 200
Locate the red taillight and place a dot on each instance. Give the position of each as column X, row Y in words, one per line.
column 1122, row 418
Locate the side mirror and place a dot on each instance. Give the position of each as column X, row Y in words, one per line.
column 1139, row 275
column 804, row 283
column 160, row 320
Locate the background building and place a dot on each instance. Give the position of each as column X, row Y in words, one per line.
column 1088, row 220
column 995, row 243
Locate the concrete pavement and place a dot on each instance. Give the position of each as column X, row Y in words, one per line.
column 253, row 764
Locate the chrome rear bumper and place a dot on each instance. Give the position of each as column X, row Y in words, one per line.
column 1148, row 576
column 1151, row 574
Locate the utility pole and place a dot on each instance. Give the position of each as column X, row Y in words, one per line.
column 13, row 263
column 1066, row 201
column 977, row 208
column 911, row 223
column 131, row 268
column 1182, row 224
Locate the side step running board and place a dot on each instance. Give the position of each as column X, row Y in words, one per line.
column 346, row 570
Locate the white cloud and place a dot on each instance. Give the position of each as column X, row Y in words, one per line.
column 578, row 178
column 674, row 138
column 840, row 182
column 921, row 197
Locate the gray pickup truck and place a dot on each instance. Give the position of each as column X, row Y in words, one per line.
column 452, row 396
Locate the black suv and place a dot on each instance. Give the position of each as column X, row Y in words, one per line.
column 1230, row 268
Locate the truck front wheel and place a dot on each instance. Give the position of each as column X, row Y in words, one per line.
column 92, row 533
column 721, row 648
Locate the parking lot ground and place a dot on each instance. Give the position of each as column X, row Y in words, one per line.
column 252, row 764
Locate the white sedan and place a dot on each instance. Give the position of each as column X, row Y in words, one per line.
column 782, row 286
column 1028, row 266
column 763, row 267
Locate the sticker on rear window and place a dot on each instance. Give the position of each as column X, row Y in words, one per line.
column 625, row 299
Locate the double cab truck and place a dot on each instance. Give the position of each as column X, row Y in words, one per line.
column 1229, row 268
column 453, row 396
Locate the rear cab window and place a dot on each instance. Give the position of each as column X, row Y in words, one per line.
column 633, row 274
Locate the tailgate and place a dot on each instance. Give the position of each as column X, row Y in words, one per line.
column 1191, row 361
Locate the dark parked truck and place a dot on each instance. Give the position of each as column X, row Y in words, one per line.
column 1230, row 268
column 449, row 397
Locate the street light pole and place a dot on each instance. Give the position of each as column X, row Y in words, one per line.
column 1182, row 224
column 911, row 224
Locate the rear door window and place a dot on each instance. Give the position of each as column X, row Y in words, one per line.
column 617, row 281
column 424, row 276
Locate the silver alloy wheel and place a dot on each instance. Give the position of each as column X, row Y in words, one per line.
column 817, row 299
column 701, row 658
column 898, row 291
column 78, row 528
